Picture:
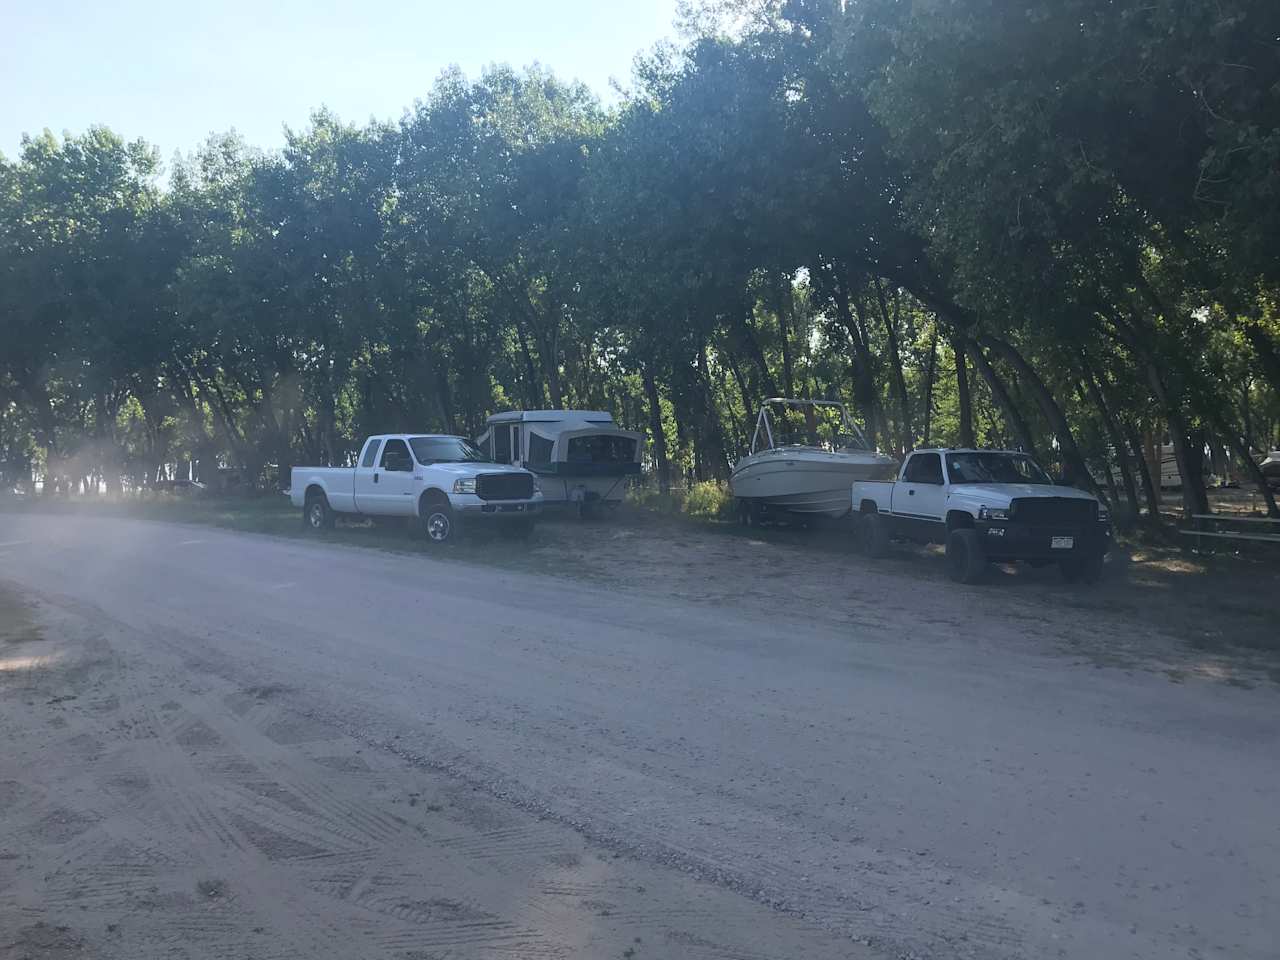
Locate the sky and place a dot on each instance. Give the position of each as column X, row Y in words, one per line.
column 174, row 72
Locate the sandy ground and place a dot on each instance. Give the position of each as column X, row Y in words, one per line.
column 216, row 744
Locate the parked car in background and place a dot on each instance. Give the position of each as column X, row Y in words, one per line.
column 443, row 482
column 985, row 505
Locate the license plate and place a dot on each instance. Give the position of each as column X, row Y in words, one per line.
column 1062, row 543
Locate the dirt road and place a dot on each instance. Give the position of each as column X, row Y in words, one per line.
column 226, row 745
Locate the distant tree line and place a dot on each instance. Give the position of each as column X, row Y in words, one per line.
column 1054, row 226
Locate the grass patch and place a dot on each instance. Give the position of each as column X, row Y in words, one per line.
column 705, row 500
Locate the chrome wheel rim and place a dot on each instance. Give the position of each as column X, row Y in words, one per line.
column 317, row 514
column 438, row 527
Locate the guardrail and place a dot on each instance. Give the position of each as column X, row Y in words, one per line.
column 1214, row 532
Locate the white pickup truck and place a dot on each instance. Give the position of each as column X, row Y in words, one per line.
column 439, row 480
column 985, row 505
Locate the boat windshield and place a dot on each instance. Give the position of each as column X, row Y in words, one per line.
column 428, row 450
column 809, row 425
column 994, row 468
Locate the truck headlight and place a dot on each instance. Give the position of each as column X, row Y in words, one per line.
column 466, row 485
column 537, row 486
column 1104, row 515
column 993, row 513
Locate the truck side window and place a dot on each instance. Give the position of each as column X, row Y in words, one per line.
column 395, row 457
column 370, row 453
column 924, row 468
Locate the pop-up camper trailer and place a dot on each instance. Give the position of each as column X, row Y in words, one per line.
column 580, row 456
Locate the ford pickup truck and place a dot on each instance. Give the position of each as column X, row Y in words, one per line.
column 443, row 482
column 984, row 505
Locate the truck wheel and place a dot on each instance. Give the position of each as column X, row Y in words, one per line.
column 439, row 522
column 966, row 562
column 316, row 515
column 1086, row 569
column 875, row 535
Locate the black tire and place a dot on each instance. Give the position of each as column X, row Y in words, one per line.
column 316, row 515
column 1086, row 569
column 875, row 535
column 439, row 523
column 748, row 513
column 966, row 561
column 517, row 529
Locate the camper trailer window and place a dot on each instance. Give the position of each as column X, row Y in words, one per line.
column 539, row 448
column 601, row 449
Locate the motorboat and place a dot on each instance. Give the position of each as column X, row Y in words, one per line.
column 804, row 457
column 581, row 457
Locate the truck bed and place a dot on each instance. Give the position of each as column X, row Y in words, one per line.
column 339, row 484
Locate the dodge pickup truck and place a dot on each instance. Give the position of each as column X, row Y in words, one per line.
column 443, row 482
column 984, row 505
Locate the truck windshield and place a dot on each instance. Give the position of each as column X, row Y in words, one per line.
column 994, row 468
column 446, row 450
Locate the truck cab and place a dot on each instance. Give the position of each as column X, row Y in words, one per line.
column 985, row 505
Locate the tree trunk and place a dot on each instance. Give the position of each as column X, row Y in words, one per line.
column 896, row 379
column 755, row 353
column 1073, row 461
column 1240, row 447
column 551, row 369
column 1094, row 389
column 864, row 385
column 963, row 399
column 655, row 427
column 788, row 363
column 1149, row 488
column 928, row 384
column 711, row 419
column 1267, row 353
column 1190, row 461
column 1012, row 415
column 748, row 413
column 532, row 398
column 1195, row 499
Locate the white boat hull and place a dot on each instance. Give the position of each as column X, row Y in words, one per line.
column 806, row 482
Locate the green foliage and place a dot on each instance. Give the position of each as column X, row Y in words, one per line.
column 709, row 500
column 1065, row 213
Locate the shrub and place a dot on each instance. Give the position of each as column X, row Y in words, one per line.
column 708, row 500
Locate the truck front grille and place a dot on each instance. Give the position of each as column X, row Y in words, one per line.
column 1053, row 511
column 504, row 486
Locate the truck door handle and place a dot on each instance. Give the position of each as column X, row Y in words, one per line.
column 375, row 478
column 910, row 493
